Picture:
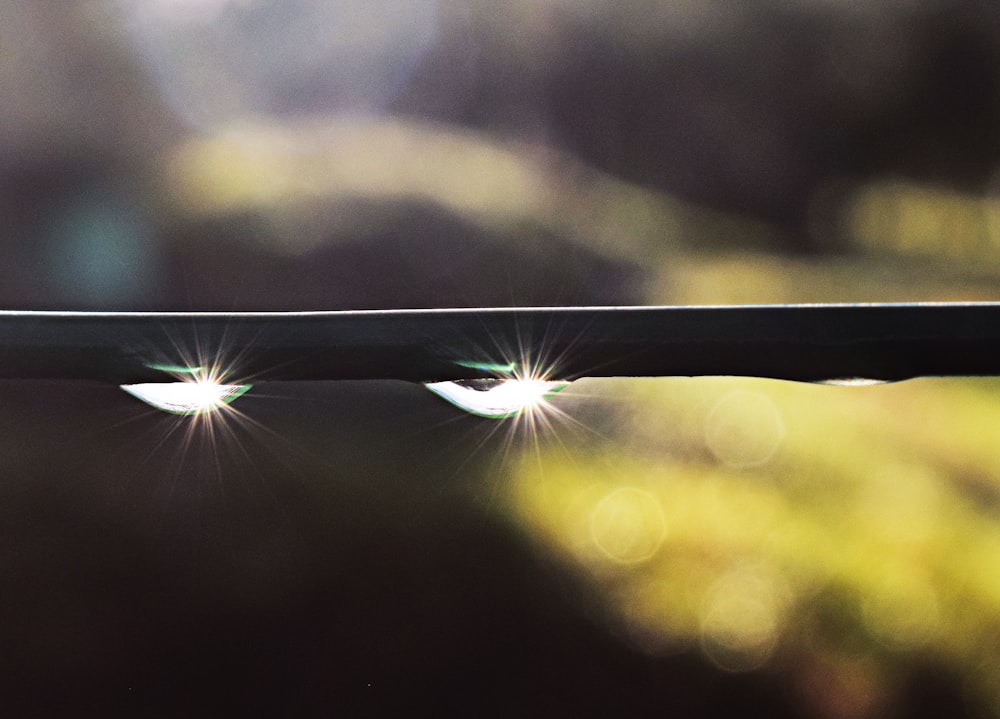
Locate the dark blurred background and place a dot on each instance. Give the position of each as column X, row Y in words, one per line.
column 673, row 547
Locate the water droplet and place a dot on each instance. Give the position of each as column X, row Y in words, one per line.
column 853, row 381
column 195, row 397
column 496, row 397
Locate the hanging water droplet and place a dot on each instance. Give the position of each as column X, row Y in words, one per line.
column 196, row 397
column 853, row 381
column 495, row 397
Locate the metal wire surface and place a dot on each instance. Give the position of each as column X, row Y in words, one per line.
column 796, row 342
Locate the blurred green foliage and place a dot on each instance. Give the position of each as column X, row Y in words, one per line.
column 791, row 526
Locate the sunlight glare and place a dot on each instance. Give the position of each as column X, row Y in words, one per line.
column 497, row 398
column 194, row 397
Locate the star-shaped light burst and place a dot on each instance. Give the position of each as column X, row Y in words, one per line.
column 523, row 393
column 200, row 391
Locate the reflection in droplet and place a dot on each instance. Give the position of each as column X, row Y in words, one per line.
column 744, row 429
column 500, row 368
column 853, row 381
column 197, row 397
column 627, row 525
column 497, row 398
column 178, row 369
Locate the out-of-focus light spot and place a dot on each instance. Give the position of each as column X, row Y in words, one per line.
column 744, row 429
column 198, row 396
column 497, row 398
column 902, row 610
column 627, row 525
column 739, row 628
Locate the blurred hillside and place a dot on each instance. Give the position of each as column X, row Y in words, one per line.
column 143, row 141
column 698, row 547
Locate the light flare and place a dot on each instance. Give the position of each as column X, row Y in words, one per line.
column 199, row 392
column 497, row 398
column 524, row 392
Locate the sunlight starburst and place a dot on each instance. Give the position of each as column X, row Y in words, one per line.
column 496, row 397
column 194, row 396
